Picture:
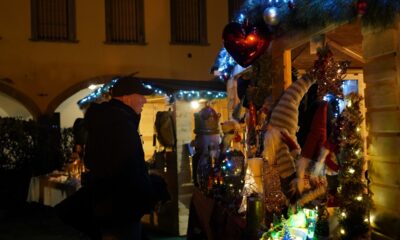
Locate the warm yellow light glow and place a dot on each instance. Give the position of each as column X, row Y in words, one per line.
column 357, row 151
column 194, row 104
column 372, row 219
column 92, row 87
column 358, row 129
column 351, row 170
column 359, row 198
column 342, row 231
column 349, row 103
column 343, row 214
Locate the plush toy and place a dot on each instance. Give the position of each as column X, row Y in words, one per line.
column 313, row 147
column 231, row 130
column 311, row 179
column 284, row 116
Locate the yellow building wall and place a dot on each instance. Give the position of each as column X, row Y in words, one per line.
column 49, row 68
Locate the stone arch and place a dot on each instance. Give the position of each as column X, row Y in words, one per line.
column 75, row 88
column 22, row 98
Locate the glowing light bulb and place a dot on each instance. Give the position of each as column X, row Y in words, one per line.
column 351, row 170
column 92, row 87
column 194, row 104
column 359, row 198
column 342, row 231
column 343, row 214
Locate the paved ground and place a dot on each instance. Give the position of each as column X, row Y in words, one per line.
column 37, row 222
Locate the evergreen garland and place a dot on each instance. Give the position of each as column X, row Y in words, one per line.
column 381, row 13
column 319, row 13
column 354, row 196
column 262, row 77
column 307, row 15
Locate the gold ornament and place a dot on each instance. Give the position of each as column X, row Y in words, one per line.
column 274, row 200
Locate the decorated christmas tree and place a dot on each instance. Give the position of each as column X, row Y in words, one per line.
column 354, row 195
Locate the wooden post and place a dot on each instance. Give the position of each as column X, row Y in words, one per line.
column 287, row 68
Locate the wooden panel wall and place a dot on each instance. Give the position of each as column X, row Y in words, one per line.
column 147, row 125
column 382, row 92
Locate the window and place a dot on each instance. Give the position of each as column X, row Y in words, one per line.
column 53, row 20
column 188, row 22
column 125, row 21
column 233, row 7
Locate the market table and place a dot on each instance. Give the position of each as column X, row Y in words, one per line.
column 213, row 220
column 52, row 188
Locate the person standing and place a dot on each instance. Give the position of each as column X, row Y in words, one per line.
column 119, row 182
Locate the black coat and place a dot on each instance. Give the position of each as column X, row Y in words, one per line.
column 114, row 156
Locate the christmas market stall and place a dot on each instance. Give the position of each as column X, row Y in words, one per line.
column 167, row 127
column 294, row 162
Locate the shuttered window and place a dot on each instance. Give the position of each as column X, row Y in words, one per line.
column 233, row 8
column 188, row 22
column 125, row 21
column 53, row 20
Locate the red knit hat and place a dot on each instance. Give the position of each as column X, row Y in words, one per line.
column 316, row 138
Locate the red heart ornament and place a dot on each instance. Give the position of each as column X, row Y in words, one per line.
column 245, row 43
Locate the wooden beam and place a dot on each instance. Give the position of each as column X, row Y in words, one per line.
column 346, row 50
column 295, row 39
column 287, row 68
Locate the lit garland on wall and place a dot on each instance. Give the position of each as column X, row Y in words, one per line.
column 183, row 95
column 354, row 195
column 97, row 94
column 195, row 95
column 283, row 16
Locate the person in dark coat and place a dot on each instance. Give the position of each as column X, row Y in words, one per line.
column 119, row 182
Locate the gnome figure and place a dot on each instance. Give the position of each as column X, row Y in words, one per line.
column 313, row 147
column 311, row 180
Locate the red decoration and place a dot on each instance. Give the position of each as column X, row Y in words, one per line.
column 237, row 138
column 252, row 115
column 245, row 43
column 362, row 6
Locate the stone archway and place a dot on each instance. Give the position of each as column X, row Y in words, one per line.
column 21, row 98
column 75, row 88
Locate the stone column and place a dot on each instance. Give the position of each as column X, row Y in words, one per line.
column 184, row 135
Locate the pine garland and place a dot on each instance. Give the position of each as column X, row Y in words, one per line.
column 262, row 77
column 354, row 196
column 306, row 15
column 310, row 14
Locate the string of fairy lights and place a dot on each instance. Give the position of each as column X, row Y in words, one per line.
column 102, row 93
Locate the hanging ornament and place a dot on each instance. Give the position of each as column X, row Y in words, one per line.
column 245, row 43
column 271, row 16
column 362, row 7
column 252, row 115
column 328, row 73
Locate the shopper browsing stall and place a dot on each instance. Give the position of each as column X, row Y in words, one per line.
column 122, row 189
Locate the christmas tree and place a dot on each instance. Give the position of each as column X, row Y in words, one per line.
column 354, row 195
